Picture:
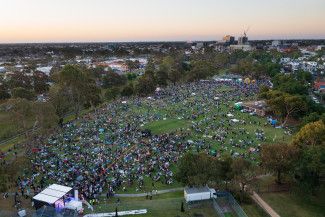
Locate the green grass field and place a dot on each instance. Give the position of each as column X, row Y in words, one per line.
column 160, row 206
column 289, row 205
column 253, row 210
column 166, row 126
column 148, row 187
column 168, row 204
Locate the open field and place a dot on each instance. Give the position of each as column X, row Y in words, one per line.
column 166, row 126
column 168, row 204
column 288, row 205
column 253, row 210
column 160, row 206
column 147, row 187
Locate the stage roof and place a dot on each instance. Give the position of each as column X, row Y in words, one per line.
column 52, row 193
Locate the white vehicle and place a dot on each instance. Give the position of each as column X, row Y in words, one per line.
column 198, row 194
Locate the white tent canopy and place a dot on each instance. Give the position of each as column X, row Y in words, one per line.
column 45, row 198
column 52, row 193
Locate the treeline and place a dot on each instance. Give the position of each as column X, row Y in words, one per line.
column 177, row 67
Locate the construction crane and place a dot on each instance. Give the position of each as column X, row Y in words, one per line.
column 246, row 31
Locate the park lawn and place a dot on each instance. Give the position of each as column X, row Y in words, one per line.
column 253, row 210
column 288, row 205
column 160, row 206
column 9, row 144
column 166, row 126
column 148, row 187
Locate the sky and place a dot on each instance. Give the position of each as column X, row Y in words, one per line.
column 158, row 20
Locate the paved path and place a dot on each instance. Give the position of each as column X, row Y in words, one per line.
column 264, row 205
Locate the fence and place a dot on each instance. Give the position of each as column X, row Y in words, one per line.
column 226, row 205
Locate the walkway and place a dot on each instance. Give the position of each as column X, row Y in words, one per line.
column 264, row 205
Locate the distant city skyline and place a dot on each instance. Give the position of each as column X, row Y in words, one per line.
column 35, row 21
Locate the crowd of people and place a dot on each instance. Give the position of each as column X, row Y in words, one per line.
column 111, row 149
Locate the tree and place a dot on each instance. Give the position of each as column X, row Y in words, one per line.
column 150, row 67
column 200, row 70
column 40, row 82
column 22, row 112
column 80, row 86
column 91, row 94
column 305, row 77
column 131, row 76
column 244, row 172
column 289, row 84
column 45, row 116
column 98, row 71
column 278, row 158
column 112, row 79
column 169, row 69
column 161, row 77
column 194, row 169
column 222, row 60
column 19, row 79
column 145, row 85
column 285, row 105
column 59, row 98
column 112, row 93
column 128, row 90
column 225, row 171
column 312, row 117
column 174, row 75
column 312, row 134
column 310, row 142
column 21, row 92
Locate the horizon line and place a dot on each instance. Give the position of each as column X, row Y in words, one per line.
column 154, row 41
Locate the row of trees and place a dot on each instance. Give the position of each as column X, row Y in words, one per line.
column 161, row 72
column 224, row 173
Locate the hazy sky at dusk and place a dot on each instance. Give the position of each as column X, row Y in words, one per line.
column 155, row 20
